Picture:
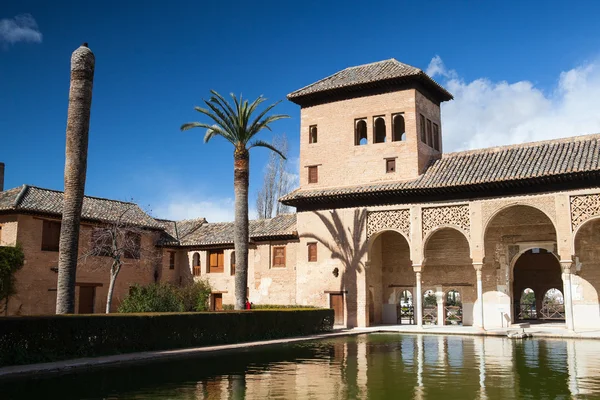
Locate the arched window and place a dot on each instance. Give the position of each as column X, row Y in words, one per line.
column 360, row 132
column 196, row 264
column 232, row 262
column 312, row 137
column 453, row 308
column 429, row 308
column 379, row 130
column 553, row 305
column 527, row 305
column 398, row 128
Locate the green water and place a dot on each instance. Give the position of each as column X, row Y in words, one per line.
column 376, row 366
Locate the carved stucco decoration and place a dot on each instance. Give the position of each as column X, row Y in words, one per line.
column 391, row 219
column 547, row 204
column 583, row 208
column 434, row 217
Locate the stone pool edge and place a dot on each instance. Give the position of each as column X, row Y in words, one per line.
column 66, row 366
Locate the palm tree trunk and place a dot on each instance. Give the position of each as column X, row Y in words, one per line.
column 78, row 122
column 240, row 238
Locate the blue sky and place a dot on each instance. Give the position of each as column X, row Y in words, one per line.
column 518, row 71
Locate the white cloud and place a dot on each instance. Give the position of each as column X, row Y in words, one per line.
column 21, row 28
column 187, row 207
column 486, row 113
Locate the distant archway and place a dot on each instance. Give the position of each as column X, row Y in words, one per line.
column 453, row 308
column 379, row 130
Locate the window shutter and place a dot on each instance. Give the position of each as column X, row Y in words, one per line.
column 313, row 174
column 279, row 257
column 212, row 262
column 312, row 252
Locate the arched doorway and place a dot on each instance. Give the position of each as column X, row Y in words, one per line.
column 406, row 309
column 430, row 310
column 389, row 272
column 553, row 305
column 453, row 308
column 518, row 240
column 586, row 306
column 535, row 273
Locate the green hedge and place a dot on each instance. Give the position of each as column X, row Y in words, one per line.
column 25, row 340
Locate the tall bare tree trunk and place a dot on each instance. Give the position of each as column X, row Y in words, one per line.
column 111, row 289
column 78, row 123
column 241, row 233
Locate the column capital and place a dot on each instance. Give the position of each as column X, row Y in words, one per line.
column 478, row 265
column 418, row 267
column 566, row 266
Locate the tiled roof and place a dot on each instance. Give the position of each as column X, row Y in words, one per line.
column 559, row 160
column 281, row 226
column 45, row 201
column 365, row 76
column 176, row 231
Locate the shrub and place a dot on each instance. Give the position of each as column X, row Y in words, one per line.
column 228, row 307
column 279, row 306
column 195, row 296
column 11, row 260
column 50, row 338
column 156, row 297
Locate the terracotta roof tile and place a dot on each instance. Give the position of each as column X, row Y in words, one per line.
column 505, row 164
column 38, row 200
column 362, row 75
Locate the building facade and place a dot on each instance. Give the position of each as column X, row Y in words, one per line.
column 388, row 228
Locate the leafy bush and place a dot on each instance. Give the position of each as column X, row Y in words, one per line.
column 228, row 307
column 11, row 260
column 156, row 297
column 58, row 337
column 195, row 296
column 279, row 306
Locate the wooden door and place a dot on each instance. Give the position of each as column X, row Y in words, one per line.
column 217, row 303
column 87, row 296
column 337, row 303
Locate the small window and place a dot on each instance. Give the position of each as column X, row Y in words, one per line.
column 50, row 235
column 312, row 137
column 232, row 262
column 171, row 260
column 379, row 130
column 313, row 174
column 390, row 165
column 436, row 137
column 312, row 252
column 360, row 132
column 279, row 257
column 132, row 245
column 398, row 128
column 196, row 264
column 422, row 126
column 429, row 134
column 215, row 261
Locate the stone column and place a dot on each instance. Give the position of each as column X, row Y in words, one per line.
column 439, row 296
column 568, row 297
column 418, row 296
column 479, row 311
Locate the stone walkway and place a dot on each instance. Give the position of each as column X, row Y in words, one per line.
column 543, row 331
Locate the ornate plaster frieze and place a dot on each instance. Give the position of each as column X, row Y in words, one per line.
column 435, row 217
column 583, row 208
column 390, row 219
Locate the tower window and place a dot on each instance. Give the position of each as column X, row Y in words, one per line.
column 379, row 130
column 390, row 165
column 360, row 132
column 429, row 134
column 422, row 126
column 436, row 137
column 312, row 137
column 398, row 128
column 313, row 174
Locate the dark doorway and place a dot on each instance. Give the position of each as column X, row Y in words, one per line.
column 87, row 296
column 337, row 303
column 217, row 302
column 535, row 273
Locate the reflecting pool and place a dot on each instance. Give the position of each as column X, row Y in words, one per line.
column 374, row 366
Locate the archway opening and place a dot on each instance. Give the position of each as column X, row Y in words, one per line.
column 360, row 134
column 406, row 308
column 430, row 314
column 514, row 237
column 587, row 267
column 537, row 272
column 453, row 308
column 449, row 268
column 388, row 275
column 553, row 305
column 379, row 130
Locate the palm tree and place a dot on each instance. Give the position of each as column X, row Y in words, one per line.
column 234, row 122
column 78, row 124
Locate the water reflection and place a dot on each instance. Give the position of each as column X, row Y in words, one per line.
column 377, row 366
